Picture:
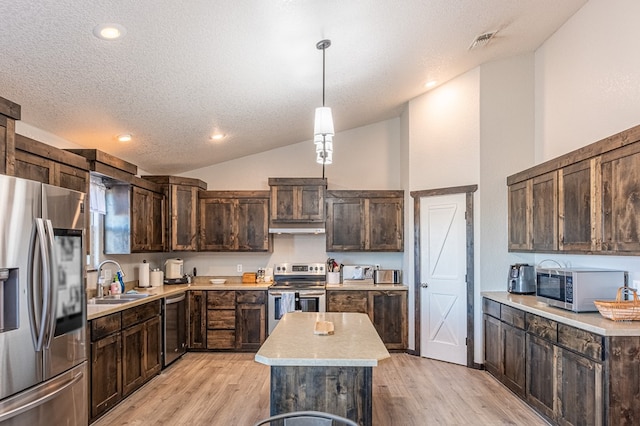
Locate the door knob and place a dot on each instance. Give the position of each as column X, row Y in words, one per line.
column 424, row 285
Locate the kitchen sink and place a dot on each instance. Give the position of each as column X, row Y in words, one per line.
column 118, row 299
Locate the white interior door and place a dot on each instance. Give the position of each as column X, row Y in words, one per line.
column 443, row 296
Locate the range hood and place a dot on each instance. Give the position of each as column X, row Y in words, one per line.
column 294, row 228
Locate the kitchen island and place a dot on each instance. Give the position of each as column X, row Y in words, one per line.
column 330, row 373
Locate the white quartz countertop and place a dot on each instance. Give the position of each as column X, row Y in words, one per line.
column 95, row 311
column 589, row 321
column 355, row 342
column 356, row 286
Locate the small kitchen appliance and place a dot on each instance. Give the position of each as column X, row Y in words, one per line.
column 357, row 274
column 522, row 279
column 174, row 268
column 174, row 272
column 387, row 276
column 575, row 289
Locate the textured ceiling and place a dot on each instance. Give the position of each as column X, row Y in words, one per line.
column 247, row 68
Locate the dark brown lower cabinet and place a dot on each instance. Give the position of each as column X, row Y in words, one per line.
column 197, row 319
column 227, row 319
column 579, row 390
column 387, row 310
column 140, row 354
column 573, row 376
column 125, row 354
column 540, row 374
column 514, row 358
column 492, row 345
column 388, row 313
column 505, row 347
column 251, row 326
column 106, row 376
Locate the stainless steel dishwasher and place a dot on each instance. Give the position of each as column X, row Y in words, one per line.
column 175, row 328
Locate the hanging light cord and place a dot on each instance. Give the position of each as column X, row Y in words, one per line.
column 323, row 44
column 324, row 50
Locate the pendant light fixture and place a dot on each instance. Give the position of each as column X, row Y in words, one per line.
column 323, row 127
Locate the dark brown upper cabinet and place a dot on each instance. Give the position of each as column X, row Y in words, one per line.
column 621, row 200
column 234, row 221
column 297, row 200
column 147, row 220
column 41, row 162
column 586, row 201
column 577, row 205
column 365, row 221
column 544, row 212
column 181, row 210
column 520, row 201
column 9, row 113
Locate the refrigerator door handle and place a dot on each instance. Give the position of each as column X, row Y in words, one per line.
column 51, row 284
column 42, row 396
column 38, row 323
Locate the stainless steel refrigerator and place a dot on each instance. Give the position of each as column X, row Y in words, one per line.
column 43, row 361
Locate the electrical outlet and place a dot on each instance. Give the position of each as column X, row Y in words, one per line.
column 239, row 267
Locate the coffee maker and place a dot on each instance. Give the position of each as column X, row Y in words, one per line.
column 522, row 279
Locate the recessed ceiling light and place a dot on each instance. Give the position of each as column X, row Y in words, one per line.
column 217, row 136
column 124, row 138
column 109, row 31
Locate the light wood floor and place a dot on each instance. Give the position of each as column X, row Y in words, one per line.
column 233, row 389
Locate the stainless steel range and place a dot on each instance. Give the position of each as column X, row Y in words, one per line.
column 297, row 287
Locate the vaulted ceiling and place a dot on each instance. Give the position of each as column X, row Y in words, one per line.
column 248, row 69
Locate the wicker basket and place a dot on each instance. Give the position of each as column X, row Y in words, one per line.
column 620, row 310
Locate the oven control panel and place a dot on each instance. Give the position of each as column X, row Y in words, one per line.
column 312, row 269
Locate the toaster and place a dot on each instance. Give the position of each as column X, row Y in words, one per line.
column 387, row 276
column 522, row 279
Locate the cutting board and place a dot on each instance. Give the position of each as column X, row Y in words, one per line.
column 249, row 278
column 323, row 328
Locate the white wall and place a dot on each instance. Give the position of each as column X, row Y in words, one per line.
column 506, row 147
column 445, row 134
column 476, row 129
column 364, row 158
column 588, row 78
column 588, row 88
column 443, row 150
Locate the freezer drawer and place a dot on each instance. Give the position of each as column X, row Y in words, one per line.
column 59, row 401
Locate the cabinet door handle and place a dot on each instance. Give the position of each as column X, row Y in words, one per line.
column 424, row 285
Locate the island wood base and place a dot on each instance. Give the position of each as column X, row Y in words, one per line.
column 344, row 391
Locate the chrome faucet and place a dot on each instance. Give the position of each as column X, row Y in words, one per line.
column 100, row 283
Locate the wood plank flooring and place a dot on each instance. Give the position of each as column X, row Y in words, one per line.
column 233, row 389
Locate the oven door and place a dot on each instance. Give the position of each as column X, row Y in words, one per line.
column 304, row 301
column 552, row 289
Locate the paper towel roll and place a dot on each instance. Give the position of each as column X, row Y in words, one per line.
column 156, row 278
column 143, row 275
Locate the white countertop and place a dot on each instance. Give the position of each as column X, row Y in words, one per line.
column 355, row 342
column 356, row 286
column 589, row 321
column 95, row 311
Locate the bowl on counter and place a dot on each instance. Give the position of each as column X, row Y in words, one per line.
column 218, row 281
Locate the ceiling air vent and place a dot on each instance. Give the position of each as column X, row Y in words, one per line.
column 482, row 40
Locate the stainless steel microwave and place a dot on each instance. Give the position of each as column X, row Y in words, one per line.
column 575, row 289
